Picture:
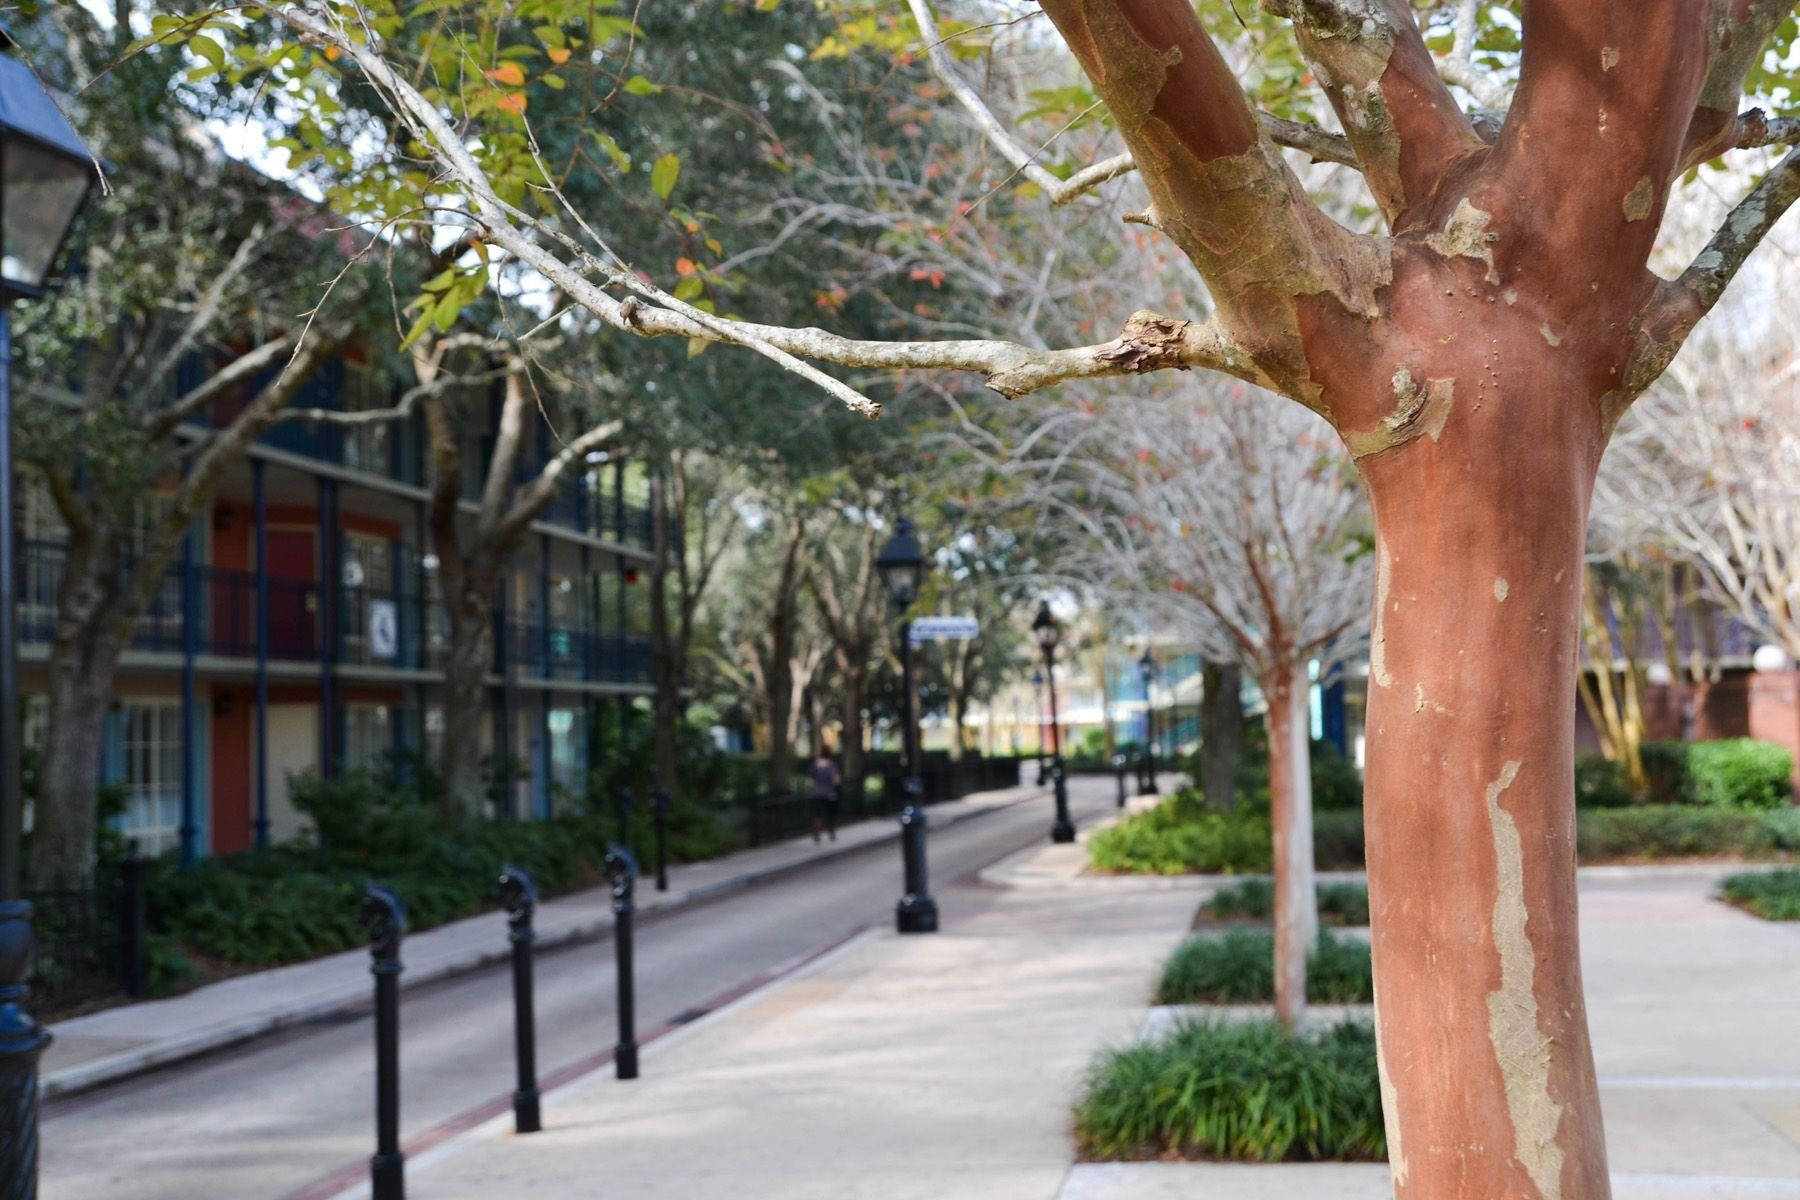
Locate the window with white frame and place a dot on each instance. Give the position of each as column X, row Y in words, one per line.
column 366, row 446
column 368, row 735
column 152, row 780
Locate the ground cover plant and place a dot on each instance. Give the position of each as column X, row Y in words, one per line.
column 1771, row 895
column 1247, row 1091
column 1254, row 900
column 1238, row 967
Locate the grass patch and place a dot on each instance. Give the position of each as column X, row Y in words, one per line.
column 1238, row 967
column 1771, row 895
column 1243, row 1091
column 1254, row 900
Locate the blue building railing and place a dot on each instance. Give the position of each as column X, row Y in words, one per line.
column 375, row 627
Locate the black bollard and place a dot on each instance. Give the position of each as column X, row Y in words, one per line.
column 1063, row 830
column 917, row 911
column 662, row 840
column 385, row 918
column 519, row 894
column 1119, row 775
column 22, row 1043
column 622, row 808
column 622, row 869
column 134, row 957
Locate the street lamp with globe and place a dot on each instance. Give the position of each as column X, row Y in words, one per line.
column 1047, row 631
column 46, row 175
column 901, row 565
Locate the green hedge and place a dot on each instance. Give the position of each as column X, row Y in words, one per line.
column 1246, row 1091
column 1731, row 773
column 1771, row 895
column 1179, row 837
column 291, row 903
column 1254, row 899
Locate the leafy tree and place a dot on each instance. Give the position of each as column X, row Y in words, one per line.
column 1474, row 356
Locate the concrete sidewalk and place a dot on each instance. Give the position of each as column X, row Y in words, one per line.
column 901, row 1068
column 945, row 1067
column 118, row 1042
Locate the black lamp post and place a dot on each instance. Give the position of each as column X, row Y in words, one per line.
column 1037, row 680
column 46, row 174
column 1147, row 669
column 902, row 567
column 1048, row 632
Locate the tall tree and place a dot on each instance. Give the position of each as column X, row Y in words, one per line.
column 1245, row 531
column 189, row 261
column 1474, row 357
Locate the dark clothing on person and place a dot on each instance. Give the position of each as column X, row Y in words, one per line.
column 826, row 790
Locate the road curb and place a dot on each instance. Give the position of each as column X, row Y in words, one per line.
column 115, row 1068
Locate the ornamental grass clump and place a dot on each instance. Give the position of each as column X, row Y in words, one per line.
column 1244, row 1091
column 1238, row 967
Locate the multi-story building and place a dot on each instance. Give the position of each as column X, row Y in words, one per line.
column 301, row 628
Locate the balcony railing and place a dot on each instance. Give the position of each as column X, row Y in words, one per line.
column 375, row 627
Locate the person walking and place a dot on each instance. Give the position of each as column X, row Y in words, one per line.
column 827, row 794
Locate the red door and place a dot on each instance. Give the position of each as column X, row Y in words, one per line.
column 293, row 597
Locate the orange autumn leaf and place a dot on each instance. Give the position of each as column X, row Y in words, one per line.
column 513, row 102
column 685, row 266
column 558, row 55
column 507, row 74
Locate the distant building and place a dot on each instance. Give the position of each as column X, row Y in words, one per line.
column 322, row 529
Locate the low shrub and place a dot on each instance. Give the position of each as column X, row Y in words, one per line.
column 1600, row 783
column 1238, row 967
column 1741, row 772
column 1254, row 900
column 1649, row 831
column 1733, row 773
column 289, row 903
column 1181, row 836
column 1771, row 895
column 1245, row 1091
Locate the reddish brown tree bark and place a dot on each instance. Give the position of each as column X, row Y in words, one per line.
column 1290, row 814
column 1474, row 362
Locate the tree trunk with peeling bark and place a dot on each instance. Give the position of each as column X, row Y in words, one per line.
column 467, row 660
column 1470, row 812
column 665, row 653
column 84, row 656
column 1290, row 818
column 1221, row 733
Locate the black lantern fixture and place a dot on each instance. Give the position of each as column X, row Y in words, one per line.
column 901, row 564
column 46, row 174
column 1047, row 631
column 1147, row 670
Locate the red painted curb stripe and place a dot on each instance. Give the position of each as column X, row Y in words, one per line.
column 351, row 1174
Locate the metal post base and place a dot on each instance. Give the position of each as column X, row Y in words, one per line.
column 387, row 1177
column 1062, row 834
column 527, row 1118
column 625, row 1062
column 916, row 914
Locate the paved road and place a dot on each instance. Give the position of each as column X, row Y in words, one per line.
column 265, row 1121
